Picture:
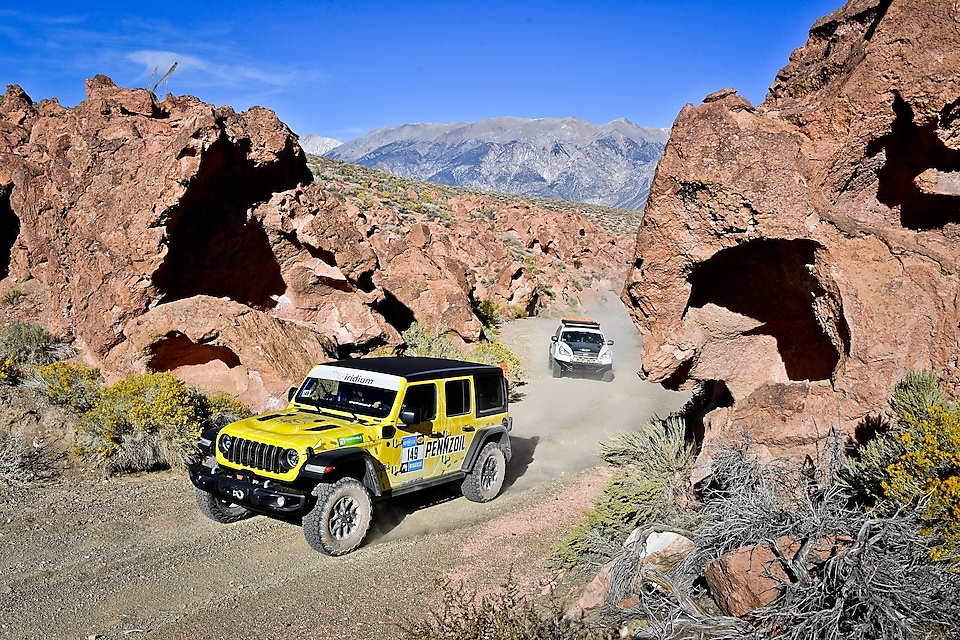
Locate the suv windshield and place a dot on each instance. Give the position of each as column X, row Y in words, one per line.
column 584, row 337
column 324, row 393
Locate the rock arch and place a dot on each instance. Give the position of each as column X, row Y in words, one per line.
column 780, row 284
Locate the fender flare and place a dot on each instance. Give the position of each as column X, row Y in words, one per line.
column 330, row 466
column 495, row 433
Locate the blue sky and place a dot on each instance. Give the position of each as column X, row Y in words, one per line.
column 343, row 68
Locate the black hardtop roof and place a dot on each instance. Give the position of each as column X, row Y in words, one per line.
column 417, row 368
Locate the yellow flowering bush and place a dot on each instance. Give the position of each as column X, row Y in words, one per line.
column 142, row 422
column 927, row 476
column 9, row 373
column 69, row 383
column 497, row 353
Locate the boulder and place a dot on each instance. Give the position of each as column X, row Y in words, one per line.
column 801, row 253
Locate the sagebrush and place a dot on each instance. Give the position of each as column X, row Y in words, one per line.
column 151, row 420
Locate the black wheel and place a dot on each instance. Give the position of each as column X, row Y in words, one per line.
column 219, row 509
column 608, row 376
column 557, row 371
column 485, row 481
column 339, row 521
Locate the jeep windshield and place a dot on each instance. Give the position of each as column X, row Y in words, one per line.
column 336, row 395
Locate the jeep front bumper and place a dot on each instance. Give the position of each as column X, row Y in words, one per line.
column 245, row 489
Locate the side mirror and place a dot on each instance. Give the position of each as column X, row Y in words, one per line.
column 610, row 342
column 553, row 338
column 410, row 416
column 292, row 391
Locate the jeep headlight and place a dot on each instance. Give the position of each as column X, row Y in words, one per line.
column 290, row 459
column 225, row 443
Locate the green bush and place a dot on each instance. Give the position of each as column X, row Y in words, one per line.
column 488, row 312
column 27, row 343
column 143, row 422
column 914, row 464
column 421, row 341
column 650, row 485
column 497, row 353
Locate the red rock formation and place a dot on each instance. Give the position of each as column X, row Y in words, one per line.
column 173, row 235
column 803, row 252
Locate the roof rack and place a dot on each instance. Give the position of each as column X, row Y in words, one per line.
column 580, row 322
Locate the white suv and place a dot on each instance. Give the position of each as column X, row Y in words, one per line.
column 579, row 345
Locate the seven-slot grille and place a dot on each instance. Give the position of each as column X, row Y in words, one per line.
column 256, row 454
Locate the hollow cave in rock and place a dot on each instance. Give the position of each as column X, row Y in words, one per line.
column 772, row 281
column 176, row 350
column 911, row 149
column 9, row 230
column 213, row 249
column 398, row 315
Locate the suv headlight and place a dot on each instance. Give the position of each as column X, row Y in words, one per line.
column 225, row 443
column 564, row 350
column 605, row 356
column 289, row 459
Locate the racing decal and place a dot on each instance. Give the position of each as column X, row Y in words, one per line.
column 412, row 453
column 356, row 438
column 446, row 446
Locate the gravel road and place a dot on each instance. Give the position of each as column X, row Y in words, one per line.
column 132, row 556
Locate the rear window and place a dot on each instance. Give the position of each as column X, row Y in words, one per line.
column 458, row 397
column 491, row 394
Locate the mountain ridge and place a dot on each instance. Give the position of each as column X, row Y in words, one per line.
column 559, row 158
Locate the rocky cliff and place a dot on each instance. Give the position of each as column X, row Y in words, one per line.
column 803, row 253
column 170, row 235
column 564, row 158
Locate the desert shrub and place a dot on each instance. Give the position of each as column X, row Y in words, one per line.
column 12, row 297
column 877, row 582
column 915, row 463
column 143, row 422
column 12, row 468
column 497, row 353
column 650, row 484
column 220, row 409
column 505, row 614
column 28, row 344
column 422, row 341
column 73, row 384
column 488, row 312
column 926, row 477
column 9, row 371
column 915, row 394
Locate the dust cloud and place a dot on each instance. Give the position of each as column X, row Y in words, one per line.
column 558, row 422
column 566, row 418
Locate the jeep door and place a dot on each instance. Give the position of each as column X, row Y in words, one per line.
column 409, row 460
column 458, row 425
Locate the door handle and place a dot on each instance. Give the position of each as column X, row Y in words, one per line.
column 469, row 427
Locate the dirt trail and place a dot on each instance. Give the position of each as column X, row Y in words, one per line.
column 133, row 557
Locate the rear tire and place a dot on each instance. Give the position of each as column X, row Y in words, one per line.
column 219, row 509
column 483, row 484
column 340, row 519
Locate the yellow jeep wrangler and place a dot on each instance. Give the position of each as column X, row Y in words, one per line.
column 355, row 431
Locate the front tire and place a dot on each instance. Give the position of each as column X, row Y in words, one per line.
column 339, row 521
column 219, row 509
column 484, row 482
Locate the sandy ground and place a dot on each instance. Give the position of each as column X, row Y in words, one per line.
column 132, row 557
